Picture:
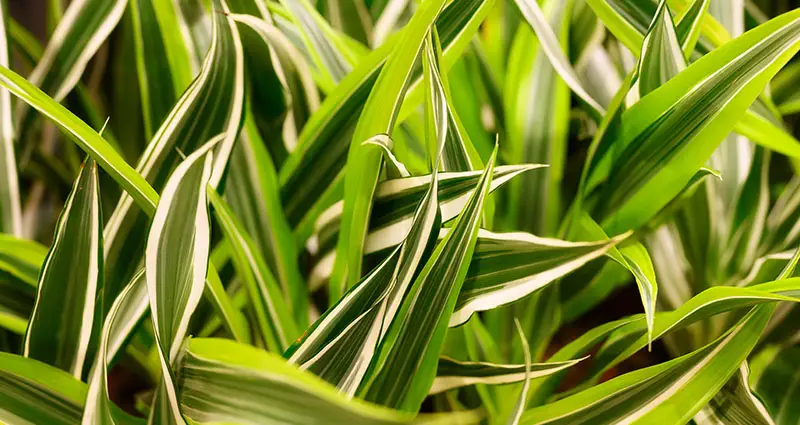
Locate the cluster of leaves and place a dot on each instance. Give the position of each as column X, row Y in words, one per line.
column 382, row 211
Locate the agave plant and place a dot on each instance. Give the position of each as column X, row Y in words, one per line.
column 399, row 211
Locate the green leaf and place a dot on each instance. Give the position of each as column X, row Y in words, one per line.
column 537, row 104
column 343, row 343
column 634, row 257
column 21, row 258
column 734, row 404
column 71, row 281
column 668, row 393
column 660, row 151
column 690, row 24
column 80, row 33
column 708, row 303
column 228, row 382
column 451, row 373
column 661, row 57
column 125, row 313
column 628, row 20
column 10, row 202
column 252, row 175
column 507, row 267
column 271, row 56
column 36, row 393
column 85, row 137
column 162, row 59
column 363, row 161
column 320, row 39
column 311, row 178
column 276, row 325
column 522, row 400
column 412, row 345
column 458, row 152
column 777, row 385
column 20, row 262
column 211, row 106
column 176, row 261
column 393, row 207
column 551, row 47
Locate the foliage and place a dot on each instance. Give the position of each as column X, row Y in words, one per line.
column 396, row 211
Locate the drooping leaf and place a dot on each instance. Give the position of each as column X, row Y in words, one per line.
column 226, row 382
column 451, row 373
column 506, row 267
column 668, row 393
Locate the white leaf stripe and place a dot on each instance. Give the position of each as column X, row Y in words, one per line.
column 378, row 298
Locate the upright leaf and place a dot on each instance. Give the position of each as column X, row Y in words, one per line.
column 537, row 106
column 212, row 105
column 125, row 313
column 176, row 261
column 534, row 16
column 273, row 314
column 162, row 59
column 363, row 161
column 10, row 202
column 342, row 345
column 71, row 281
column 412, row 345
column 660, row 151
column 80, row 33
